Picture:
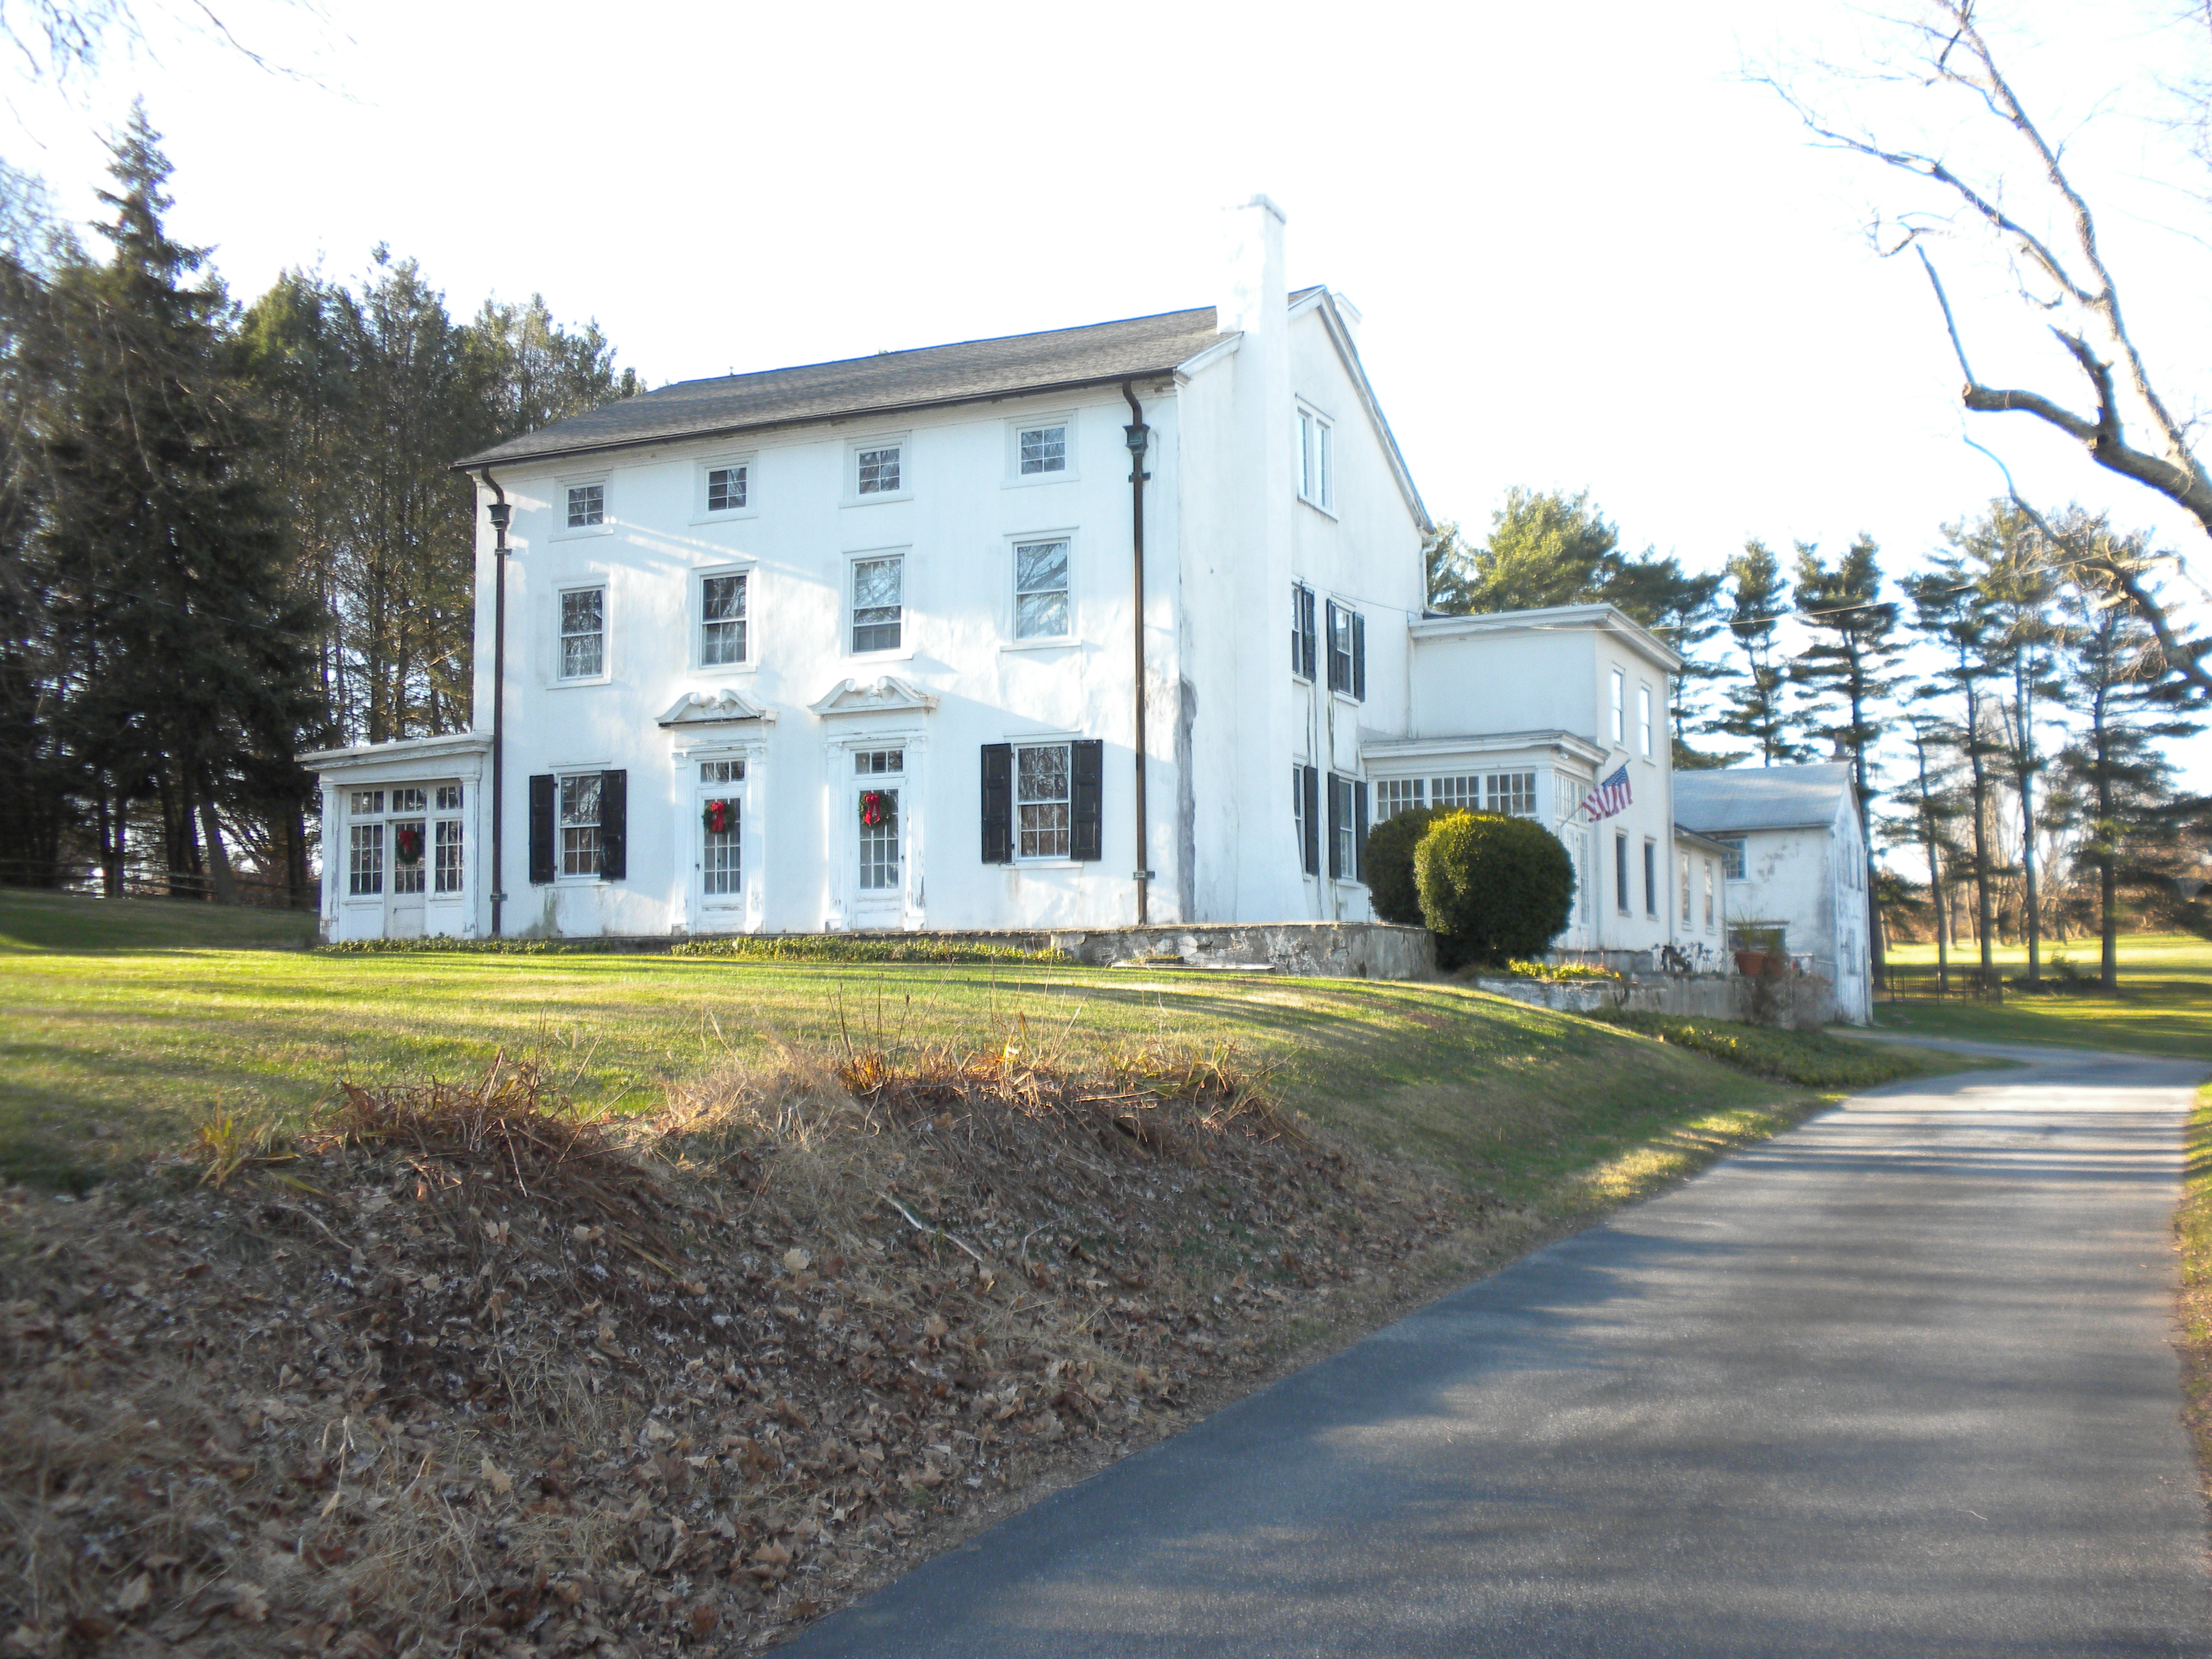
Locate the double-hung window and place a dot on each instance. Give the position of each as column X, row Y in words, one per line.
column 580, row 824
column 1650, row 878
column 1348, row 652
column 1619, row 714
column 878, row 470
column 722, row 620
column 878, row 602
column 1303, row 631
column 583, row 633
column 1643, row 719
column 1685, row 887
column 1709, row 895
column 1347, row 828
column 1620, row 873
column 1041, row 590
column 587, row 506
column 1040, row 449
column 1316, row 460
column 1044, row 800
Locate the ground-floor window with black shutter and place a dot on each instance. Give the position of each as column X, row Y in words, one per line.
column 1620, row 873
column 579, row 825
column 1044, row 802
column 1310, row 837
column 1347, row 828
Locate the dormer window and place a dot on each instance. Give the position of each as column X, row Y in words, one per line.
column 1044, row 449
column 587, row 506
column 878, row 470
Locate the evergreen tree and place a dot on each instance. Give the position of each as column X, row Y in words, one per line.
column 1952, row 612
column 1847, row 670
column 185, row 654
column 1758, row 711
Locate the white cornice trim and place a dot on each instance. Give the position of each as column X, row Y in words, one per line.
column 1555, row 619
column 455, row 745
column 888, row 695
column 714, row 708
column 1565, row 744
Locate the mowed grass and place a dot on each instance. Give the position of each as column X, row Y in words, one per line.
column 123, row 1024
column 2163, row 1006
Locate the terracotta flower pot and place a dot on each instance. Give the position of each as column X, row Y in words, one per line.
column 1751, row 964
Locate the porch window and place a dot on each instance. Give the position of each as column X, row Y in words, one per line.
column 367, row 803
column 580, row 824
column 1464, row 794
column 449, row 798
column 1043, row 800
column 1685, row 887
column 448, row 877
column 583, row 633
column 1396, row 795
column 1709, row 895
column 365, row 856
column 409, row 800
column 1512, row 794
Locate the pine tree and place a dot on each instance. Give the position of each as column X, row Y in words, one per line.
column 1847, row 670
column 188, row 653
column 1757, row 711
column 1951, row 612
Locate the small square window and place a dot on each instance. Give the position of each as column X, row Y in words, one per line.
column 1044, row 449
column 721, row 620
column 449, row 798
column 409, row 800
column 583, row 633
column 878, row 603
column 368, row 803
column 878, row 472
column 726, row 489
column 587, row 506
column 1041, row 590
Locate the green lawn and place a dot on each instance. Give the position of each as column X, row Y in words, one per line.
column 121, row 1023
column 2163, row 1007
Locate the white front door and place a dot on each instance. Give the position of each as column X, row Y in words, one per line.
column 410, row 864
column 877, row 807
column 718, row 861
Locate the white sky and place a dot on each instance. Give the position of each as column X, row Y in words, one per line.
column 1588, row 252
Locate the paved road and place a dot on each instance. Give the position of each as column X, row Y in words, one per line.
column 1895, row 1383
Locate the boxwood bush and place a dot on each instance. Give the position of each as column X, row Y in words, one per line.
column 1390, row 845
column 1492, row 888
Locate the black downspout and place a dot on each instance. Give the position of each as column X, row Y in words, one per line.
column 1138, row 436
column 499, row 512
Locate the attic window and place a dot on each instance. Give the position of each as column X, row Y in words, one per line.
column 1044, row 449
column 726, row 489
column 880, row 471
column 587, row 506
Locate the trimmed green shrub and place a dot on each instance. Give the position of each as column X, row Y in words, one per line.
column 1492, row 888
column 1390, row 846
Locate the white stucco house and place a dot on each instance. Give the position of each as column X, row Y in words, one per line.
column 909, row 642
column 1796, row 866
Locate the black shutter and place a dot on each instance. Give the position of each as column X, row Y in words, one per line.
column 1310, row 781
column 1359, row 656
column 1328, row 645
column 998, row 803
column 1336, row 822
column 1304, row 621
column 1298, row 627
column 1360, row 831
column 541, row 828
column 614, row 825
column 1086, row 790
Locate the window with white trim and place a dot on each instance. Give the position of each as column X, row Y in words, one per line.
column 1619, row 714
column 409, row 800
column 449, row 854
column 722, row 619
column 1463, row 793
column 1685, row 887
column 729, row 488
column 368, row 803
column 1650, row 878
column 583, row 633
column 1299, row 809
column 449, row 798
column 1044, row 800
column 1733, row 867
column 1511, row 794
column 1709, row 895
column 1316, row 459
column 408, row 854
column 1040, row 449
column 1620, row 873
column 1041, row 590
column 876, row 470
column 878, row 602
column 1304, row 630
column 365, row 859
column 722, row 771
column 580, row 822
column 587, row 506
column 1396, row 795
column 1643, row 719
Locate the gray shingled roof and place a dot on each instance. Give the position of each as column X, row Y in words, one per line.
column 1759, row 796
column 881, row 385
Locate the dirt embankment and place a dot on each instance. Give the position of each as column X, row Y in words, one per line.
column 462, row 1373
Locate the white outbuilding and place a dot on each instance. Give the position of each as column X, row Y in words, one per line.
column 1795, row 865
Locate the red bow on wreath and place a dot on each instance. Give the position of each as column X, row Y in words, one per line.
column 408, row 842
column 718, row 817
column 875, row 806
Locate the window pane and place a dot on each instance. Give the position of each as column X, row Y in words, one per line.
column 587, row 506
column 582, row 638
column 1045, row 449
column 879, row 470
column 449, row 853
column 879, row 760
column 1041, row 794
column 1040, row 590
column 1462, row 793
column 368, row 803
column 365, row 866
column 722, row 626
column 878, row 586
column 449, row 797
column 726, row 489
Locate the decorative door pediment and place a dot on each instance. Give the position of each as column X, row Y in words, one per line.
column 887, row 696
column 714, row 708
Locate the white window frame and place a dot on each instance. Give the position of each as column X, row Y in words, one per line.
column 1620, row 708
column 750, row 660
column 561, row 531
column 904, row 648
column 701, row 512
column 1018, row 479
column 448, row 830
column 1709, row 895
column 600, row 586
column 856, row 447
column 561, row 826
column 1414, row 791
column 1644, row 717
column 1736, row 865
column 1316, row 459
column 1014, row 639
column 1066, row 746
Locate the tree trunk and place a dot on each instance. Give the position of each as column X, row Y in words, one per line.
column 226, row 885
column 1983, row 921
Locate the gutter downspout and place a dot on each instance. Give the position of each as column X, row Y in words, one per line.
column 1138, row 436
column 500, row 514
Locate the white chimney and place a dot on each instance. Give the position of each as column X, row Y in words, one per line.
column 1254, row 292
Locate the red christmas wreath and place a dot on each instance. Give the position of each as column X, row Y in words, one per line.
column 720, row 816
column 407, row 842
column 875, row 806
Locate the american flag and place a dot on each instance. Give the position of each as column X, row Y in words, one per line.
column 1610, row 796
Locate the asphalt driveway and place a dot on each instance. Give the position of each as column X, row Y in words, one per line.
column 1898, row 1382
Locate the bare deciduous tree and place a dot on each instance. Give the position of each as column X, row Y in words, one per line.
column 2028, row 200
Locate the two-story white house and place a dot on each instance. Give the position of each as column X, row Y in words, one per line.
column 1103, row 625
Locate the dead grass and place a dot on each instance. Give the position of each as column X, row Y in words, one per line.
column 461, row 1370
